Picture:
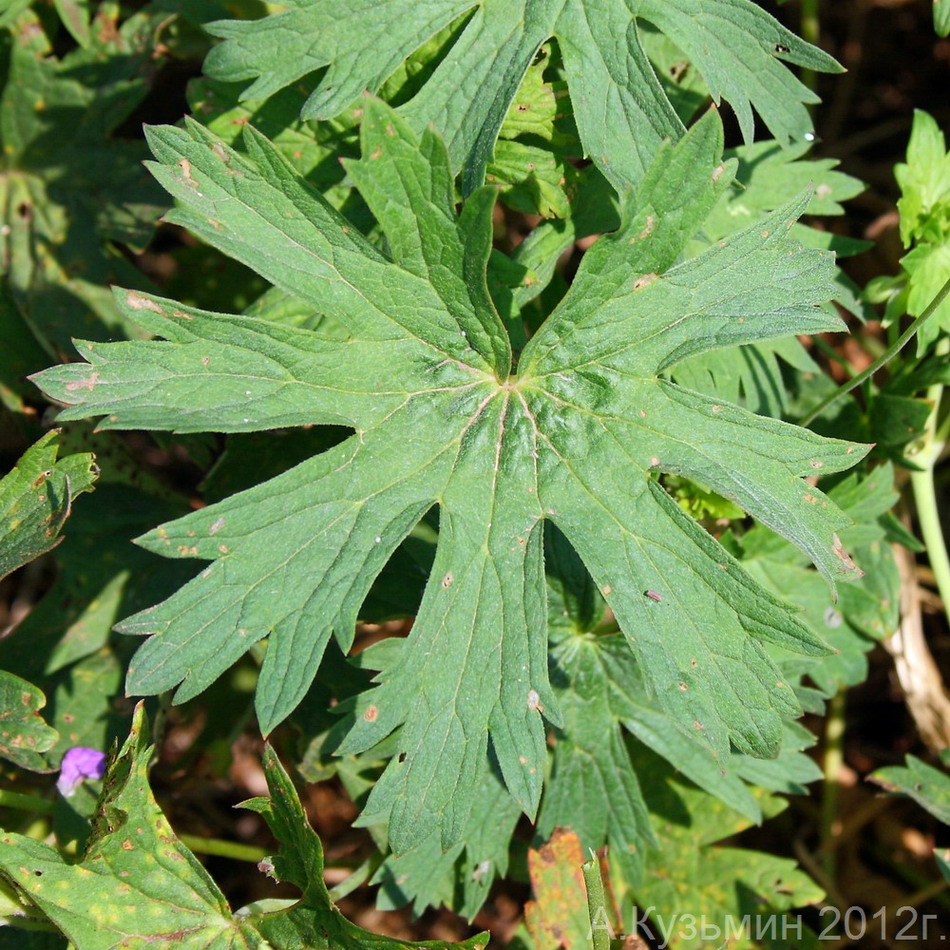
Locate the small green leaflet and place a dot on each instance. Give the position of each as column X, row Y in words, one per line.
column 621, row 110
column 924, row 208
column 425, row 379
column 36, row 498
column 138, row 885
column 942, row 17
column 24, row 736
column 929, row 787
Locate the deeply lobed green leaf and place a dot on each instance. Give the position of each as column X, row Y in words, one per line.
column 576, row 437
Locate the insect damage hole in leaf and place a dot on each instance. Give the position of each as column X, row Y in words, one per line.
column 424, row 380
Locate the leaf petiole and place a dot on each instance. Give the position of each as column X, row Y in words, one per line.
column 21, row 802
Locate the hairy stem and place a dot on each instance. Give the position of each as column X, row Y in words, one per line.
column 21, row 802
column 883, row 359
column 928, row 452
column 223, row 849
column 833, row 759
column 811, row 31
column 596, row 904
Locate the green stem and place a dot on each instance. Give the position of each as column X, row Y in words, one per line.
column 908, row 873
column 600, row 929
column 833, row 760
column 926, row 454
column 811, row 31
column 215, row 846
column 833, row 355
column 21, row 802
column 356, row 879
column 223, row 849
column 883, row 359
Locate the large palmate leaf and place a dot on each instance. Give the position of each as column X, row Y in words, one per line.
column 622, row 112
column 577, row 436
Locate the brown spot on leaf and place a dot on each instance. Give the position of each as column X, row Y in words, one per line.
column 843, row 555
column 89, row 382
column 185, row 167
column 138, row 302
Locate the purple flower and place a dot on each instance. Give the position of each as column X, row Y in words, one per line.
column 79, row 763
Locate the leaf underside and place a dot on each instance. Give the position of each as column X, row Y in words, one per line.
column 575, row 437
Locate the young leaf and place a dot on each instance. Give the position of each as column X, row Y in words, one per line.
column 576, row 437
column 36, row 498
column 924, row 181
column 924, row 208
column 621, row 110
